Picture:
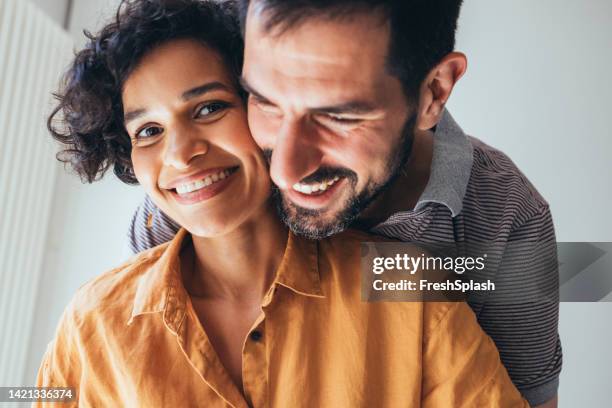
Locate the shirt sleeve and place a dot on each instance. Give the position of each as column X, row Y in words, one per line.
column 150, row 227
column 522, row 314
column 60, row 365
column 461, row 365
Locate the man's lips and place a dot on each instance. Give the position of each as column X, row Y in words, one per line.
column 317, row 200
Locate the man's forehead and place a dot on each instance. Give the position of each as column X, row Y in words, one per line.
column 321, row 40
column 319, row 52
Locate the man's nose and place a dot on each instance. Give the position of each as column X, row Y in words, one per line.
column 181, row 146
column 295, row 154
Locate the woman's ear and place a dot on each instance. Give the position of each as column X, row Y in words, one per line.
column 437, row 88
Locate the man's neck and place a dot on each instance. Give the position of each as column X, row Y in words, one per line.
column 405, row 191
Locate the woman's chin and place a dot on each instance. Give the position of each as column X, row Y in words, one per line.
column 209, row 230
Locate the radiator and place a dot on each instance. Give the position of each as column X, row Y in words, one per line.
column 34, row 51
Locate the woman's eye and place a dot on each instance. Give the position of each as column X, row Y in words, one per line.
column 211, row 108
column 149, row 131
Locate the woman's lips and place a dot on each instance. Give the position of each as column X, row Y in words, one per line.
column 206, row 192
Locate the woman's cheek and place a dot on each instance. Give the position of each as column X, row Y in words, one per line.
column 144, row 169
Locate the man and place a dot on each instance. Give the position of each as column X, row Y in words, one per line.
column 347, row 99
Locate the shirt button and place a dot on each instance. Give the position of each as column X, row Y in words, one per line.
column 256, row 335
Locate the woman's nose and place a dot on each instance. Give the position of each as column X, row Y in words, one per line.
column 182, row 146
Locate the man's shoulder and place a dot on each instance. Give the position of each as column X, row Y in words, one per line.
column 497, row 185
column 150, row 227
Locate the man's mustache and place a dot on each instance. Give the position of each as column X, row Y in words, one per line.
column 322, row 173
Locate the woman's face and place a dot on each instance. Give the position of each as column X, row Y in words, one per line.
column 192, row 149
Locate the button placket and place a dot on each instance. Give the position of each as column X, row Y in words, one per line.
column 255, row 365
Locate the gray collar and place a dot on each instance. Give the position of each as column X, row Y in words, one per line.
column 451, row 166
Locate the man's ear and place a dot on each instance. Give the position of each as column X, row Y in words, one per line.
column 437, row 88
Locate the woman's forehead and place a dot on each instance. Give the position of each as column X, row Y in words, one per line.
column 173, row 68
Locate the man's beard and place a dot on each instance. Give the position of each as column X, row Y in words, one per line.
column 311, row 223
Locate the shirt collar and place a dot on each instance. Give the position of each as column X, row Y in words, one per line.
column 299, row 267
column 451, row 166
column 162, row 283
column 155, row 286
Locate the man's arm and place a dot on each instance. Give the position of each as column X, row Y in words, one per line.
column 550, row 404
column 522, row 314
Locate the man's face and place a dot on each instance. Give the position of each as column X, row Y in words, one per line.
column 333, row 122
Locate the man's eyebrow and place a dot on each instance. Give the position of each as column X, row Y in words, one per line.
column 185, row 96
column 249, row 89
column 348, row 108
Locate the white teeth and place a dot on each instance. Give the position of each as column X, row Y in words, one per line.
column 200, row 184
column 309, row 189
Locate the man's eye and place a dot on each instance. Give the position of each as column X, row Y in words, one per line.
column 210, row 109
column 264, row 106
column 342, row 120
column 149, row 131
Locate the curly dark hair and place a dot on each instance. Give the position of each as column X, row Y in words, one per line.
column 88, row 119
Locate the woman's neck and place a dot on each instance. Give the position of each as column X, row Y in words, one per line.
column 238, row 266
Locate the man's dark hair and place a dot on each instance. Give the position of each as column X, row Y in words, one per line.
column 88, row 119
column 422, row 31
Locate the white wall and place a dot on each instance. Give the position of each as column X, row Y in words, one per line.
column 88, row 224
column 90, row 15
column 537, row 88
column 56, row 9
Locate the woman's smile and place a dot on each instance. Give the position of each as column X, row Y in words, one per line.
column 202, row 186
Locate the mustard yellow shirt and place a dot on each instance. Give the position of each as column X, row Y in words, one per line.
column 131, row 338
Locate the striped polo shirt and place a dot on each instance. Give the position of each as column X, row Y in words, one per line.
column 475, row 193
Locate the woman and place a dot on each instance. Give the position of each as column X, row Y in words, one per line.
column 235, row 310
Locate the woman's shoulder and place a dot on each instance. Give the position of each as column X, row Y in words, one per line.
column 113, row 291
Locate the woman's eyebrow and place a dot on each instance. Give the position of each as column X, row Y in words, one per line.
column 134, row 114
column 185, row 96
column 202, row 89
